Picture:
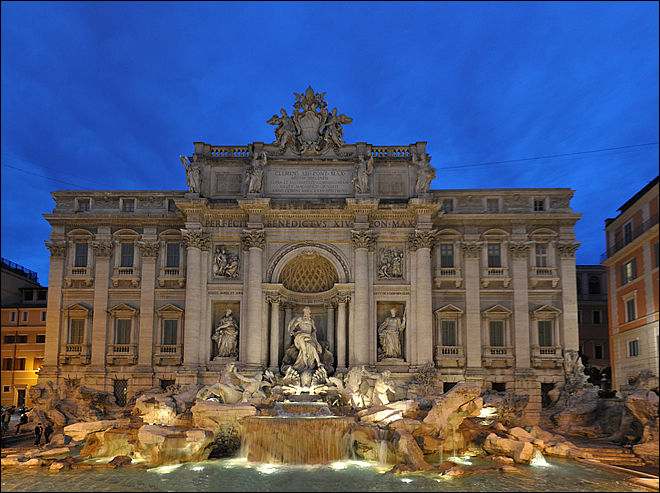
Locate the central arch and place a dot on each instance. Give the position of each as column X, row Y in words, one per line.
column 309, row 254
column 308, row 273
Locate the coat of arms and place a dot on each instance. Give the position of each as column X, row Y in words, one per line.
column 311, row 129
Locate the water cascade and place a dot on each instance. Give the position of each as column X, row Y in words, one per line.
column 296, row 440
column 538, row 459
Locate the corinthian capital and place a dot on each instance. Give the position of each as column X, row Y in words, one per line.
column 421, row 239
column 102, row 248
column 254, row 238
column 472, row 249
column 519, row 249
column 364, row 239
column 148, row 248
column 567, row 248
column 196, row 238
column 57, row 248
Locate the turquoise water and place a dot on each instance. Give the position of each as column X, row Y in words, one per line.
column 239, row 475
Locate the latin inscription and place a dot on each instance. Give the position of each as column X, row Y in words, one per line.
column 228, row 182
column 308, row 182
column 225, row 223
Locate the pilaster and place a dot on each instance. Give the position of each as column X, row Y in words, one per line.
column 567, row 251
column 473, row 340
column 359, row 351
column 521, row 332
column 275, row 331
column 102, row 270
column 254, row 241
column 149, row 253
column 54, row 333
column 422, row 242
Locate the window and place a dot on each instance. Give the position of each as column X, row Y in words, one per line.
column 123, row 334
column 166, row 383
column 41, row 338
column 628, row 232
column 598, row 351
column 630, row 310
column 83, row 205
column 447, row 255
column 628, row 271
column 24, row 316
column 545, row 333
column 492, row 205
column 448, row 205
column 172, row 255
column 596, row 317
column 81, row 255
column 9, row 339
column 37, row 363
column 448, row 333
column 539, row 205
column 5, row 388
column 634, row 348
column 43, row 315
column 594, row 285
column 171, row 206
column 496, row 333
column 541, row 255
column 127, row 254
column 76, row 331
column 20, row 364
column 129, row 205
column 498, row 386
column 170, row 328
column 12, row 316
column 494, row 256
column 22, row 339
column 41, row 295
column 579, row 316
column 28, row 295
column 7, row 364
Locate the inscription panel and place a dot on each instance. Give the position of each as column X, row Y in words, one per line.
column 228, row 182
column 392, row 184
column 303, row 182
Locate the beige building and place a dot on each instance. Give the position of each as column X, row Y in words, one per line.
column 632, row 272
column 483, row 281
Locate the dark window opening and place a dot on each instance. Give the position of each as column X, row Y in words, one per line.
column 499, row 386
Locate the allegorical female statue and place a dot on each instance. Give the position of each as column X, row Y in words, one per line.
column 390, row 334
column 226, row 336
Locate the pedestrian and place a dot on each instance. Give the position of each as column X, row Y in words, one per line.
column 38, row 430
column 48, row 431
column 6, row 418
column 23, row 421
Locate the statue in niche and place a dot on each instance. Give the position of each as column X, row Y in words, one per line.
column 333, row 130
column 193, row 178
column 226, row 336
column 425, row 173
column 303, row 331
column 383, row 385
column 390, row 335
column 390, row 264
column 255, row 173
column 361, row 174
column 285, row 131
column 224, row 264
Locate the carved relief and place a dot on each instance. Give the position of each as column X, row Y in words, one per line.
column 567, row 249
column 253, row 238
column 390, row 264
column 225, row 263
column 364, row 239
column 148, row 249
column 309, row 273
column 519, row 249
column 559, row 202
column 421, row 239
column 106, row 203
column 102, row 248
column 305, row 244
column 57, row 249
column 196, row 239
column 472, row 249
column 151, row 202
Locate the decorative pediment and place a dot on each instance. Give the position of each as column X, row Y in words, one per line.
column 169, row 308
column 449, row 309
column 78, row 308
column 122, row 308
column 497, row 311
column 545, row 311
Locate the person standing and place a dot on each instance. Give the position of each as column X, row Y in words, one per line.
column 6, row 418
column 48, row 431
column 38, row 430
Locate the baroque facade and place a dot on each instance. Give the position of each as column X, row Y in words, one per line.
column 147, row 288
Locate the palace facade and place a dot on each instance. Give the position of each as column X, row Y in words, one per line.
column 144, row 285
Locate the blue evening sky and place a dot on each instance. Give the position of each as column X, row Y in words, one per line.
column 107, row 95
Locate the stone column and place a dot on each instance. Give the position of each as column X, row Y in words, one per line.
column 149, row 252
column 340, row 355
column 330, row 327
column 54, row 334
column 102, row 270
column 571, row 339
column 422, row 242
column 195, row 241
column 254, row 241
column 287, row 340
column 359, row 349
column 275, row 331
column 521, row 332
column 473, row 341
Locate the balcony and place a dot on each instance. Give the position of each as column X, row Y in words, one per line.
column 121, row 354
column 639, row 231
column 449, row 356
column 75, row 354
column 172, row 275
column 497, row 357
column 547, row 357
column 498, row 274
column 126, row 275
column 543, row 274
column 79, row 275
column 168, row 355
column 448, row 274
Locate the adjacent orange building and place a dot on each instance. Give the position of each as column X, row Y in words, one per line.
column 632, row 271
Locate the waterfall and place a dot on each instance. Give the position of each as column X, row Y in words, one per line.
column 382, row 448
column 454, row 439
column 292, row 440
column 538, row 459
